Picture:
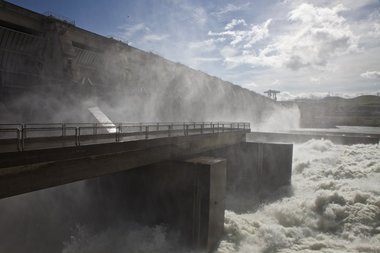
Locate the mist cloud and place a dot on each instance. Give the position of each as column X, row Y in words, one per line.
column 371, row 75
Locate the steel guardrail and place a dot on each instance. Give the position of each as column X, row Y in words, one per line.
column 74, row 134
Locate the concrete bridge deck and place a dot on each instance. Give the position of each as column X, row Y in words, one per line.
column 46, row 155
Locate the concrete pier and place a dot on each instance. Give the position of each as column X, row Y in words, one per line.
column 185, row 196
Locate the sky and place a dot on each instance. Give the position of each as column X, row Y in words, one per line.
column 302, row 48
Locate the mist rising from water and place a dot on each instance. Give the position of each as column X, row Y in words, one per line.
column 135, row 86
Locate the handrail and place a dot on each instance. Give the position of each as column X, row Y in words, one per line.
column 70, row 133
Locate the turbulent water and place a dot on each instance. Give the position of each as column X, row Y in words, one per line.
column 335, row 205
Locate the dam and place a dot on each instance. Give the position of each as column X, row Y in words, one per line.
column 177, row 170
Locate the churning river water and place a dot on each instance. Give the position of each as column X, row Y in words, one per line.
column 334, row 205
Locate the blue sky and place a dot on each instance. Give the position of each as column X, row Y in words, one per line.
column 302, row 48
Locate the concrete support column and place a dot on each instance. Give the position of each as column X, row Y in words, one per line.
column 209, row 182
column 187, row 197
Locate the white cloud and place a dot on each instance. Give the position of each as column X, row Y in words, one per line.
column 312, row 37
column 250, row 85
column 371, row 75
column 200, row 16
column 229, row 8
column 207, row 59
column 246, row 38
column 155, row 37
column 206, row 45
column 228, row 52
column 235, row 22
column 187, row 10
column 315, row 80
column 129, row 30
column 374, row 30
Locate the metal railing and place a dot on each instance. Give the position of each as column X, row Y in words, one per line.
column 76, row 134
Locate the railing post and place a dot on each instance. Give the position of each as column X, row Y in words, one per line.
column 218, row 127
column 18, row 139
column 63, row 129
column 146, row 132
column 202, row 127
column 79, row 136
column 23, row 126
column 187, row 130
column 23, row 136
column 76, row 136
column 212, row 127
column 95, row 129
column 140, row 127
column 117, row 130
column 169, row 130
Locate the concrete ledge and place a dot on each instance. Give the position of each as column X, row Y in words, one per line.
column 345, row 139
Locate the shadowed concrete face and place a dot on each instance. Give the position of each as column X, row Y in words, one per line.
column 253, row 170
column 185, row 197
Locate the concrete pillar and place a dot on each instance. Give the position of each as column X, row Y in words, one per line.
column 185, row 196
column 208, row 204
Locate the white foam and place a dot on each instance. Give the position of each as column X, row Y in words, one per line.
column 335, row 206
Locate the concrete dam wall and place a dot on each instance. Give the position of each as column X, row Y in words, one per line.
column 52, row 70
